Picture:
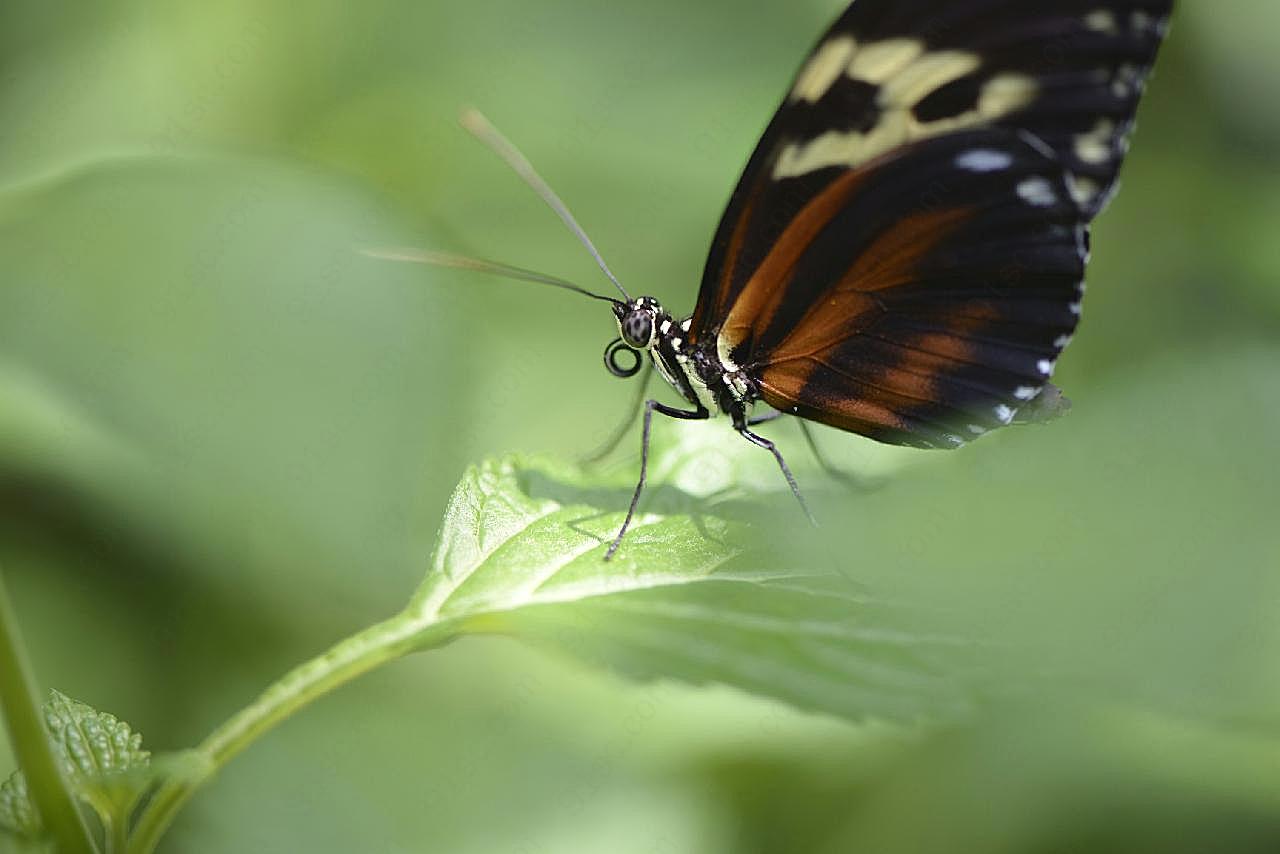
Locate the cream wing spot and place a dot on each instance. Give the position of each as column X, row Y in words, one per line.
column 1084, row 190
column 1094, row 147
column 1002, row 95
column 1005, row 94
column 930, row 72
column 878, row 62
column 1103, row 21
column 841, row 149
column 824, row 69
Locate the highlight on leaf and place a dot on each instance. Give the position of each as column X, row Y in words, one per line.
column 520, row 555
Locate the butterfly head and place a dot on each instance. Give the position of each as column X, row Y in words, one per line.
column 638, row 322
column 639, row 325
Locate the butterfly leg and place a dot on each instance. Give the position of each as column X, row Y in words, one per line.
column 826, row 465
column 650, row 407
column 740, row 424
column 765, row 419
column 620, row 432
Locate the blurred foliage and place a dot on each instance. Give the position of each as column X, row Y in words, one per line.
column 227, row 439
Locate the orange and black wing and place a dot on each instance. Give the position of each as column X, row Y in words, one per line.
column 960, row 261
column 904, row 255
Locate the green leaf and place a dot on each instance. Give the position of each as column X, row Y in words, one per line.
column 101, row 756
column 522, row 552
column 1030, row 567
column 16, row 813
column 102, row 753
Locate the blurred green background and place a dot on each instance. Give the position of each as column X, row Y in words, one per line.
column 226, row 438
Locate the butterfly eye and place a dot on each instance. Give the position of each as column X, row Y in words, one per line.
column 626, row 367
column 637, row 329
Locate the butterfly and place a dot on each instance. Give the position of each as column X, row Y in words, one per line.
column 904, row 255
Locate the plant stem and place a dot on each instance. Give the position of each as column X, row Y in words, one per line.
column 49, row 790
column 406, row 632
column 117, row 835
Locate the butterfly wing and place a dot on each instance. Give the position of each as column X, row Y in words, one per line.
column 958, row 265
column 903, row 255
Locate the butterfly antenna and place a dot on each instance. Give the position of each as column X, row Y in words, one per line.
column 482, row 129
column 461, row 262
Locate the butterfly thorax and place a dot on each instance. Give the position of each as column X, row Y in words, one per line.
column 695, row 372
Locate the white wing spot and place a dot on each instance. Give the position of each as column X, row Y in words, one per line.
column 984, row 160
column 1037, row 191
column 1027, row 392
column 1061, row 342
column 1045, row 367
column 1082, row 240
column 1127, row 81
column 1004, row 414
column 977, row 430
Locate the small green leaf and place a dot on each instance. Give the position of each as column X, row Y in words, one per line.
column 101, row 756
column 16, row 813
column 522, row 552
